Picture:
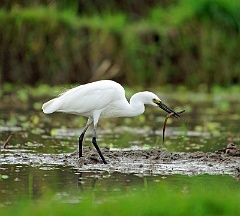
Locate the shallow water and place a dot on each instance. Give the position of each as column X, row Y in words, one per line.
column 69, row 185
column 208, row 124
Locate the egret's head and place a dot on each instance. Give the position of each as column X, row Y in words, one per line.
column 157, row 102
column 147, row 97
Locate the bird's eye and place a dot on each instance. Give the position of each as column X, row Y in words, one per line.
column 155, row 100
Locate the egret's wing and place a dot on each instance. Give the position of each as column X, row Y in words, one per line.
column 85, row 98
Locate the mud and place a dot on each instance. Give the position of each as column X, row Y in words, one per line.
column 141, row 162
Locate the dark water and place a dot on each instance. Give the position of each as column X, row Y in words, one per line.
column 208, row 125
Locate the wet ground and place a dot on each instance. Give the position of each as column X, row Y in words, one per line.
column 144, row 162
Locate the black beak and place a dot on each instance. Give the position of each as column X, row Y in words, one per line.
column 167, row 109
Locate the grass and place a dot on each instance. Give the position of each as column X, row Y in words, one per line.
column 46, row 44
column 165, row 199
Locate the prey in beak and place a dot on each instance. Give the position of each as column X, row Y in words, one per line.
column 166, row 108
column 170, row 112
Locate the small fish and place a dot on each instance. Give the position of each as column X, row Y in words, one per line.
column 167, row 117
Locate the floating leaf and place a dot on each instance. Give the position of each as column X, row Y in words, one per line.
column 4, row 176
column 35, row 119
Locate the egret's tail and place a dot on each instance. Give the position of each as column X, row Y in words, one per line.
column 51, row 106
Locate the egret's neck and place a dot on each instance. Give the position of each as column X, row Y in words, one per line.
column 122, row 108
column 136, row 106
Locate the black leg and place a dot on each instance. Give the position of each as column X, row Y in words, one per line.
column 94, row 141
column 80, row 140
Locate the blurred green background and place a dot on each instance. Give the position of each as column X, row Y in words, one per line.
column 138, row 42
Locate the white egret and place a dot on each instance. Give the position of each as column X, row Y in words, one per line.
column 104, row 99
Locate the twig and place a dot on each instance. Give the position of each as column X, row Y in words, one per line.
column 7, row 141
column 167, row 117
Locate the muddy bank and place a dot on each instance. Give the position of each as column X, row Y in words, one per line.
column 141, row 162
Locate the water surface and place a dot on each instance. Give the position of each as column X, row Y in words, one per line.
column 208, row 124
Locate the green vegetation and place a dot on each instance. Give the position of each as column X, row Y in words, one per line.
column 187, row 42
column 165, row 199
